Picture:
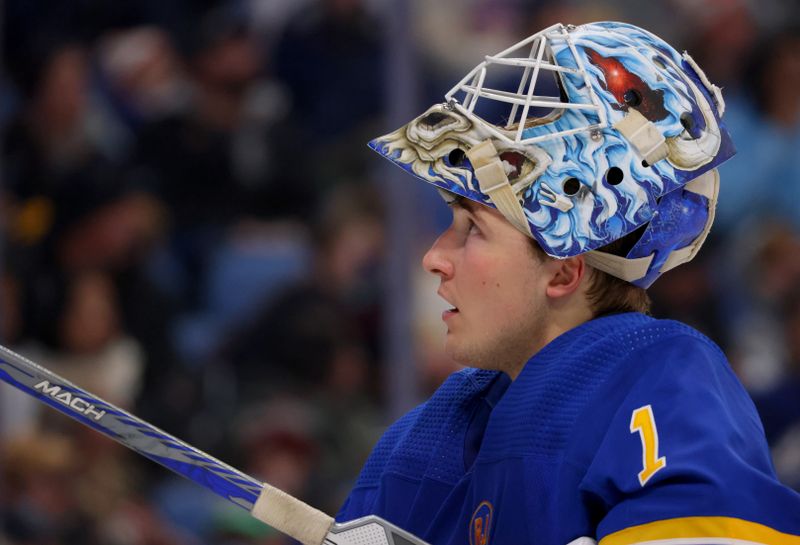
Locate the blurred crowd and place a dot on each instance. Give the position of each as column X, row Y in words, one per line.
column 193, row 229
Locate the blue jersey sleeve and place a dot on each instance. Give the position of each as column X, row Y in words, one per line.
column 684, row 459
column 416, row 463
column 362, row 498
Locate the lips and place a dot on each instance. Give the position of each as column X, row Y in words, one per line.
column 449, row 313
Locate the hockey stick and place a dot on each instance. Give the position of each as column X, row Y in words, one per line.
column 266, row 503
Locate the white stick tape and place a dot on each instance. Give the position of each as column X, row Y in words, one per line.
column 291, row 516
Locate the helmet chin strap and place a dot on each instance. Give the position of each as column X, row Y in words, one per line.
column 621, row 267
column 493, row 182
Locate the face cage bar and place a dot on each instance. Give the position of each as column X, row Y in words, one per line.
column 539, row 42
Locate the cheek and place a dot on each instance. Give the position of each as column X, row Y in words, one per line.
column 510, row 278
column 483, row 272
column 497, row 282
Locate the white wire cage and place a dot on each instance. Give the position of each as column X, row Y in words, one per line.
column 533, row 56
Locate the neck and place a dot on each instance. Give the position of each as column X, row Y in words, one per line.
column 556, row 323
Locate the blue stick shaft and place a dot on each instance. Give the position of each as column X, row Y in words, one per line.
column 134, row 433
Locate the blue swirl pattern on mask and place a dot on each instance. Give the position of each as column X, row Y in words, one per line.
column 600, row 212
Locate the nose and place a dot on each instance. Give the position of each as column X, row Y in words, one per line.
column 437, row 259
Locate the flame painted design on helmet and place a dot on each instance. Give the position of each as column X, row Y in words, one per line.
column 626, row 121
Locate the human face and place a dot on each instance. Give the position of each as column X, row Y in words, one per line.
column 496, row 284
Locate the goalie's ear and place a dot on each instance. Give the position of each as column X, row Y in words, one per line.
column 565, row 276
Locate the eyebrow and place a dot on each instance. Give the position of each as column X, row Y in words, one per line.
column 463, row 203
column 468, row 206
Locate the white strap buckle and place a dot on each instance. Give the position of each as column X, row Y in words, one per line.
column 644, row 136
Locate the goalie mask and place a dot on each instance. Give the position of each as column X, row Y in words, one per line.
column 579, row 136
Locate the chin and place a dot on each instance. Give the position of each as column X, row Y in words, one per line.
column 469, row 356
column 454, row 351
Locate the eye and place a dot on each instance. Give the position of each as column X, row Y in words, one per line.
column 472, row 227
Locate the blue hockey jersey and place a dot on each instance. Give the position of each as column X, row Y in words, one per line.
column 625, row 429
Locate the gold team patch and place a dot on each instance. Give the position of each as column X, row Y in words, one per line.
column 481, row 524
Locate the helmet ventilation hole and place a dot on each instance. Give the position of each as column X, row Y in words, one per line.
column 614, row 176
column 632, row 97
column 687, row 121
column 571, row 186
column 456, row 157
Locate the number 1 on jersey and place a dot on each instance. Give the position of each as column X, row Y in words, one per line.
column 642, row 420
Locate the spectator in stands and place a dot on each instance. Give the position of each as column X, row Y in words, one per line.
column 207, row 162
column 93, row 349
column 40, row 505
column 329, row 318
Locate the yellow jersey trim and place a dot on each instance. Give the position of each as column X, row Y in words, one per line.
column 700, row 527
